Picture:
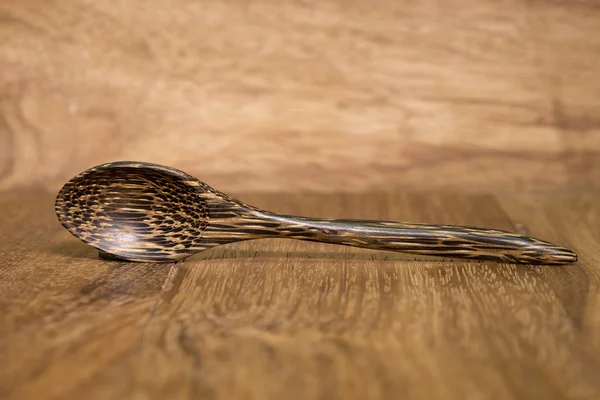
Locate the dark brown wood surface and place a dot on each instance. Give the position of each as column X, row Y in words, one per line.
column 273, row 319
column 304, row 95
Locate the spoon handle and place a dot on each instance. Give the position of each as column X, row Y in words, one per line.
column 425, row 239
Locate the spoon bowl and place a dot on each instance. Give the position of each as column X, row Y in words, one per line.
column 138, row 211
column 135, row 211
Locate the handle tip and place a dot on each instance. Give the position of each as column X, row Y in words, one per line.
column 558, row 256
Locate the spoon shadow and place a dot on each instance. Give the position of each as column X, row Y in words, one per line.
column 228, row 254
column 72, row 249
column 81, row 251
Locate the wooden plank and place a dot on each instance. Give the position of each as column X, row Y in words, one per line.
column 464, row 94
column 287, row 319
column 67, row 318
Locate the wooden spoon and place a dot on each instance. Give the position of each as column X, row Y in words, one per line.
column 146, row 212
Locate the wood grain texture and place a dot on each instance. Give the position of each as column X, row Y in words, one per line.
column 278, row 318
column 328, row 95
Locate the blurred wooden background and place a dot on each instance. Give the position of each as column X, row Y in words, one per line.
column 304, row 95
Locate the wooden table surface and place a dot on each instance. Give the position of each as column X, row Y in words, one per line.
column 283, row 319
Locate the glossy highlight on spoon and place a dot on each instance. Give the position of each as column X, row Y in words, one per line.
column 139, row 211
